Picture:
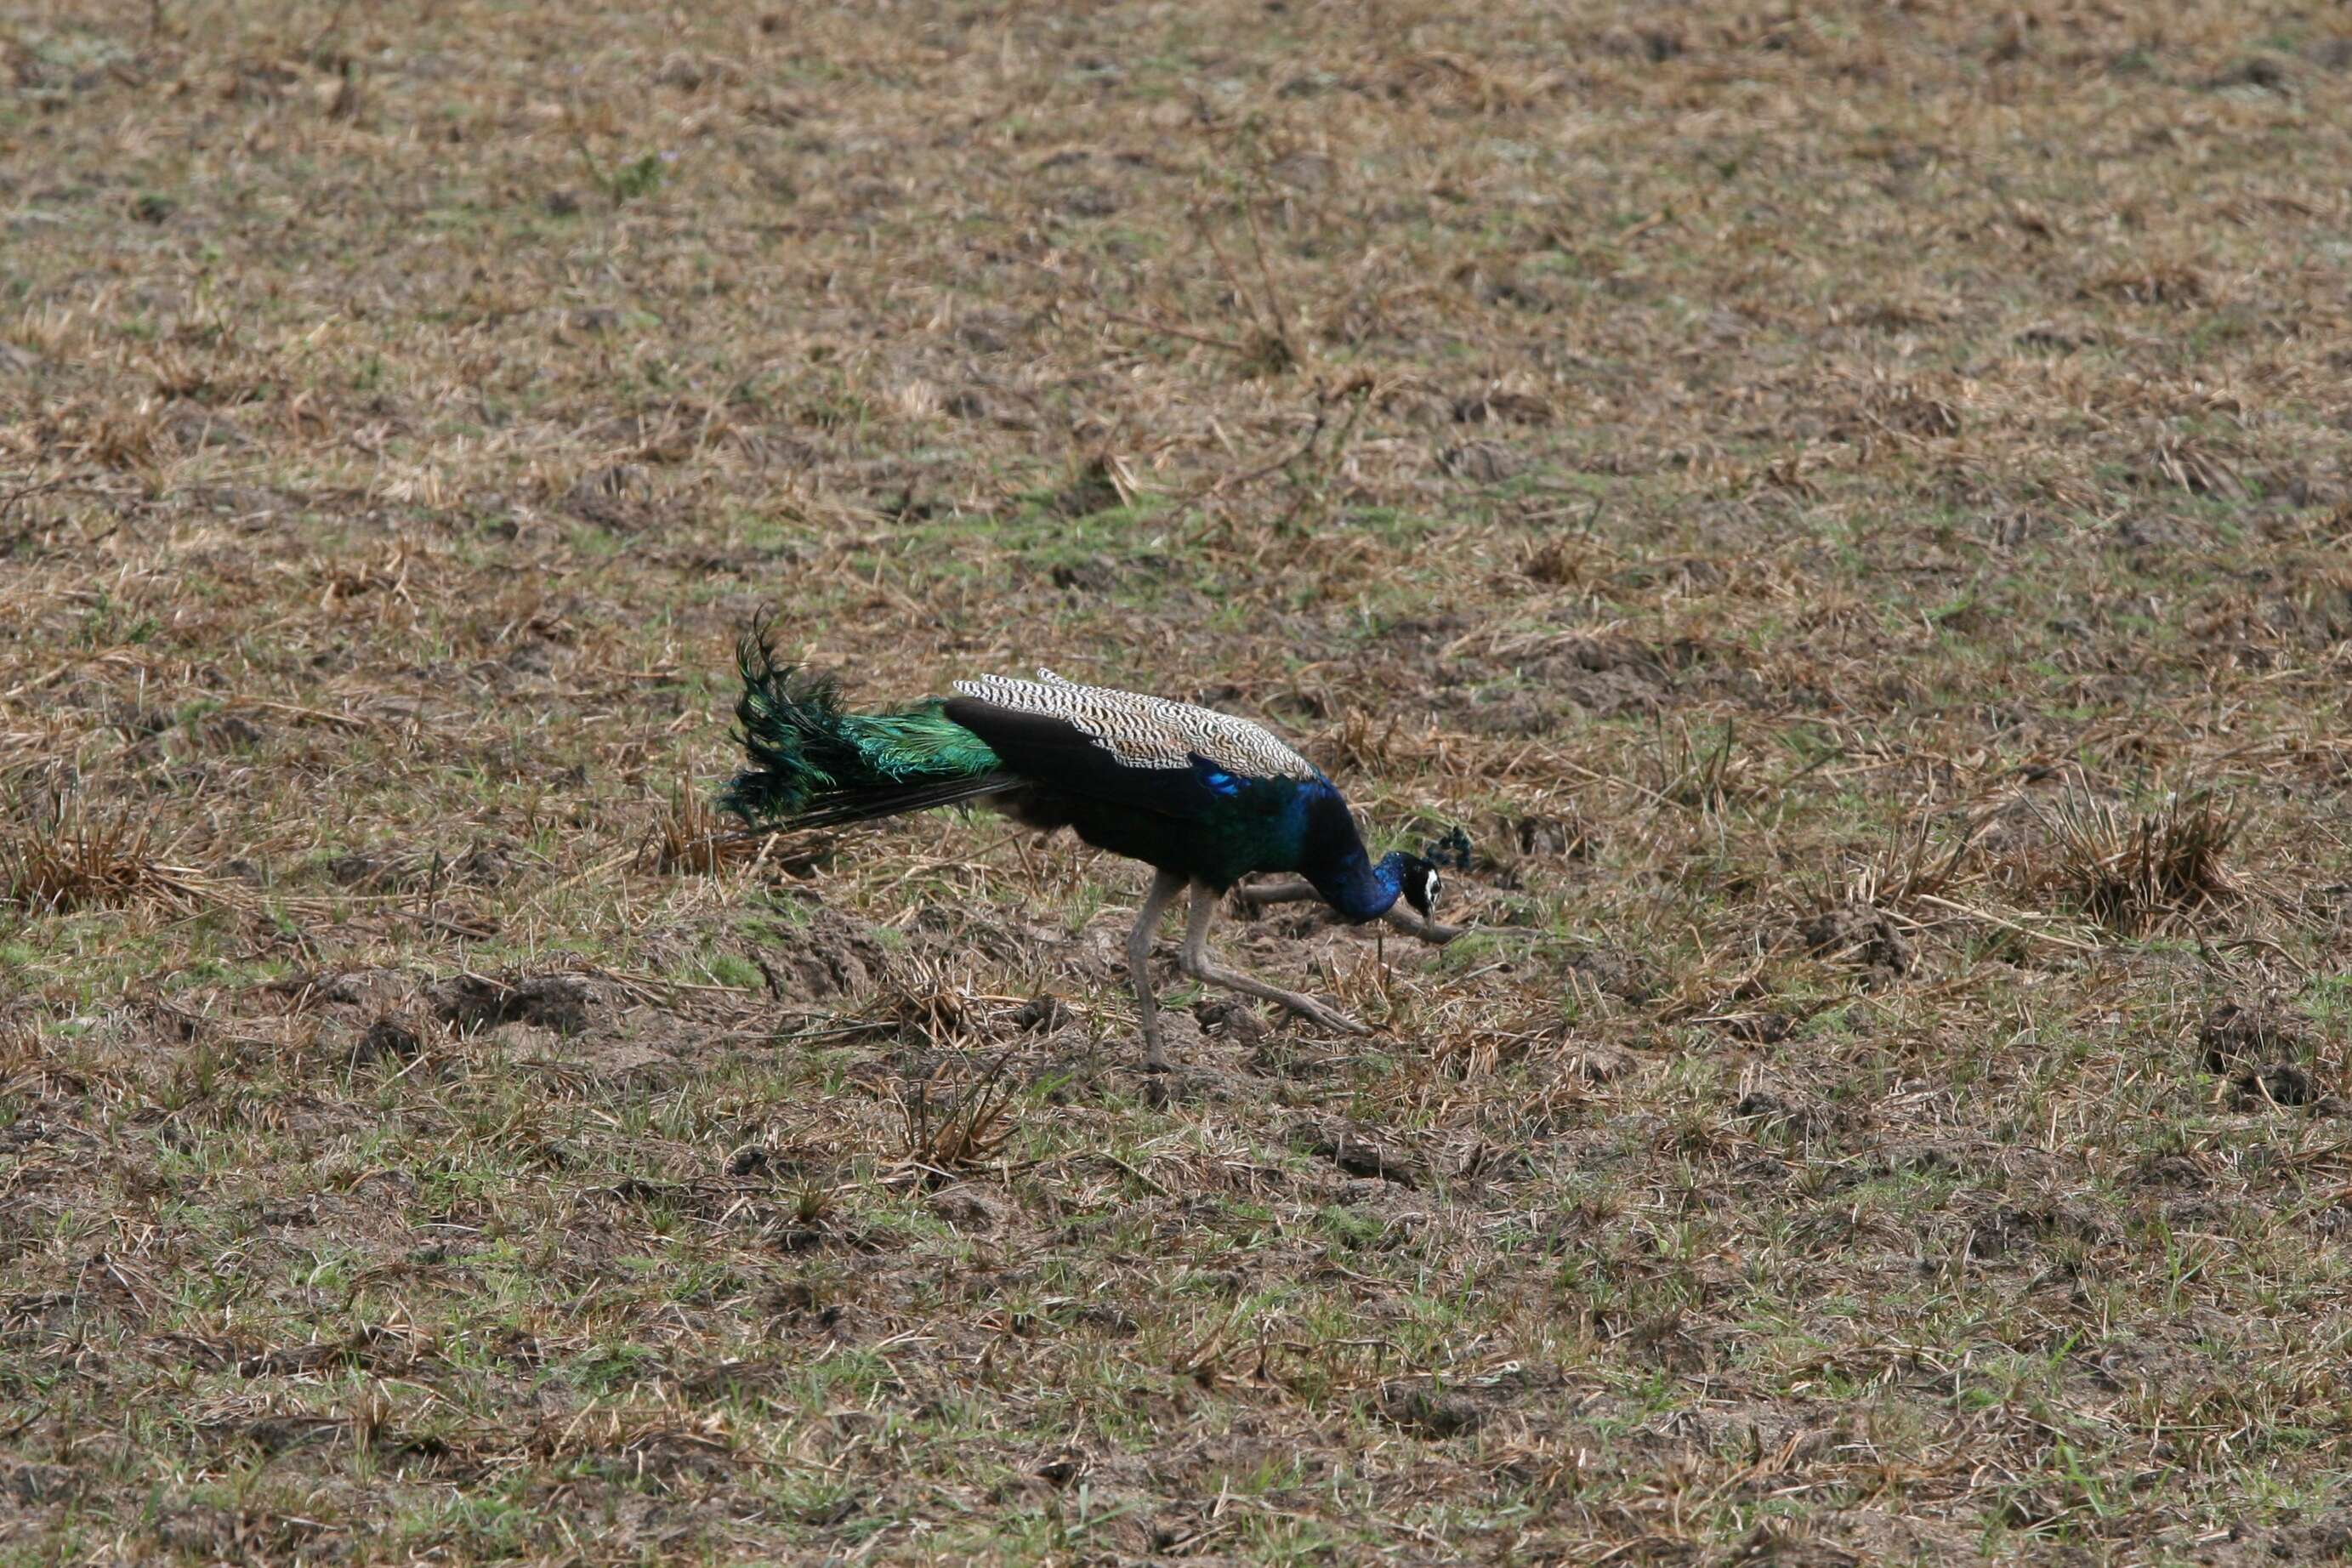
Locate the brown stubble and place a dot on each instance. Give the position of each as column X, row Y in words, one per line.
column 1849, row 510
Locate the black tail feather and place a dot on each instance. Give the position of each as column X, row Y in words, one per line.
column 872, row 805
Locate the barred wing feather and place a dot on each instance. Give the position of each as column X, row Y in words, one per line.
column 1144, row 732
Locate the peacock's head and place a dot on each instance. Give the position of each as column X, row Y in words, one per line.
column 1419, row 882
column 1422, row 880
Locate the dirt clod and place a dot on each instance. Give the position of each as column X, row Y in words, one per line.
column 1232, row 1017
column 969, row 1210
column 386, row 1040
column 1041, row 1014
column 1759, row 1028
column 1500, row 405
column 1795, row 1110
column 2013, row 1227
column 833, row 956
column 1481, row 462
column 1420, row 1406
column 1861, row 935
column 1566, row 837
column 32, row 1484
column 1360, row 1154
column 2236, row 1032
column 1627, row 977
column 2272, row 1084
column 473, row 1002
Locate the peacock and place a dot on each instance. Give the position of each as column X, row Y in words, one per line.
column 1204, row 798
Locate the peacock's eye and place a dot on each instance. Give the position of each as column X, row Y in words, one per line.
column 1430, row 892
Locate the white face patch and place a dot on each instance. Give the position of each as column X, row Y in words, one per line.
column 1431, row 892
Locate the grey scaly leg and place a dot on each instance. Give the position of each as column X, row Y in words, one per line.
column 1402, row 915
column 1139, row 966
column 1197, row 964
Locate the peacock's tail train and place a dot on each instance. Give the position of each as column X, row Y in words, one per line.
column 813, row 764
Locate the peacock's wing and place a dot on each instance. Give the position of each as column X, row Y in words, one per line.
column 1169, row 757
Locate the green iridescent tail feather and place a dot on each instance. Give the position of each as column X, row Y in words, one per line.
column 813, row 764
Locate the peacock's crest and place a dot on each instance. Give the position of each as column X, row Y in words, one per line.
column 1452, row 851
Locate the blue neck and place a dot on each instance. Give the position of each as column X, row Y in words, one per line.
column 1358, row 889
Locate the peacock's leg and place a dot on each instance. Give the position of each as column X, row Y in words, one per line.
column 1164, row 885
column 1402, row 915
column 1197, row 964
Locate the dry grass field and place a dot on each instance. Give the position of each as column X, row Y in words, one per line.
column 1849, row 506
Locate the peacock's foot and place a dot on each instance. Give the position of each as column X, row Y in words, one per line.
column 1307, row 1007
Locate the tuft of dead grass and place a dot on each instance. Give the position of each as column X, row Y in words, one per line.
column 2196, row 467
column 689, row 837
column 66, row 856
column 2135, row 871
column 961, row 1130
